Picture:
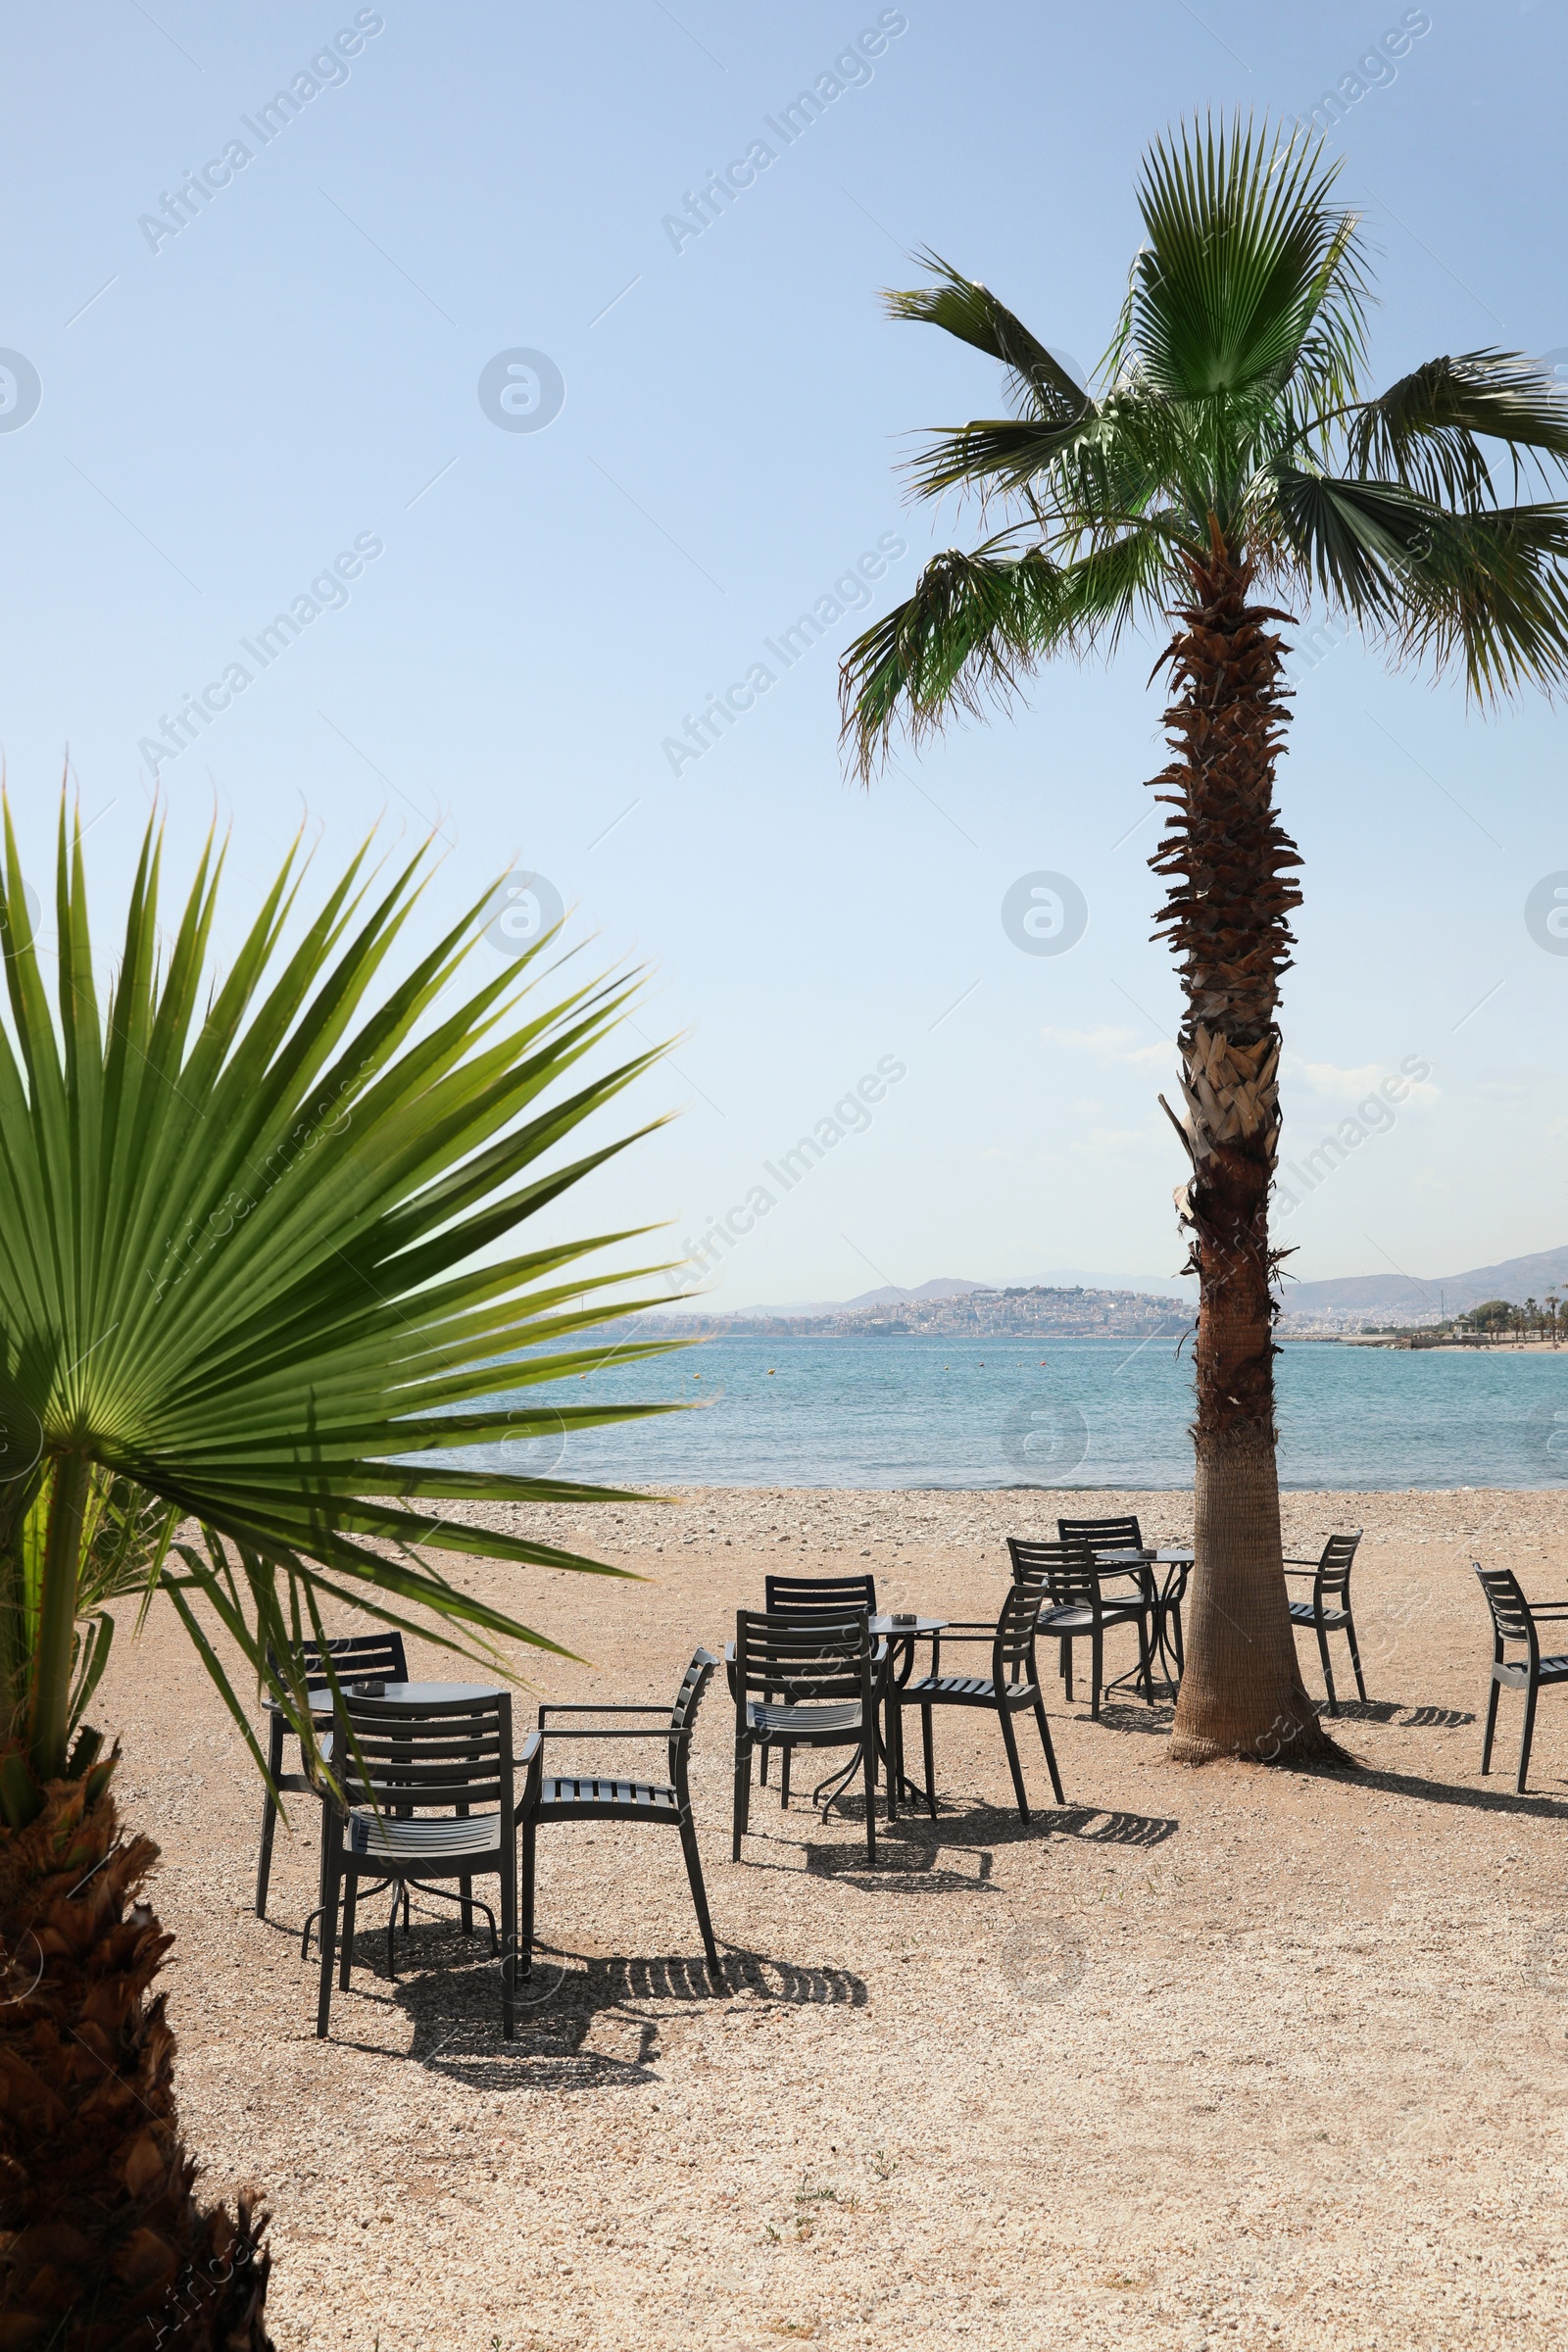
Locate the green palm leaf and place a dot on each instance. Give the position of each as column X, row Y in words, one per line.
column 258, row 1267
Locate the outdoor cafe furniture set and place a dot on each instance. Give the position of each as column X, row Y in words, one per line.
column 423, row 1788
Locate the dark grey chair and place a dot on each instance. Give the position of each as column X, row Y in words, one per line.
column 1516, row 1619
column 1073, row 1608
column 355, row 1657
column 1329, row 1609
column 1103, row 1535
column 805, row 1681
column 599, row 1796
column 1012, row 1687
column 824, row 1597
column 407, row 1780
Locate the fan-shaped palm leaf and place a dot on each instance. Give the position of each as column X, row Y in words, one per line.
column 258, row 1265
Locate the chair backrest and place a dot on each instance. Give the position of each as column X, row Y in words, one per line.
column 786, row 1595
column 1012, row 1658
column 436, row 1756
column 1334, row 1568
column 683, row 1714
column 801, row 1657
column 1062, row 1575
column 1102, row 1535
column 1510, row 1611
column 357, row 1657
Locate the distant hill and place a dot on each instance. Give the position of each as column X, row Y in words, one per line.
column 1076, row 1304
column 1412, row 1299
column 958, row 1311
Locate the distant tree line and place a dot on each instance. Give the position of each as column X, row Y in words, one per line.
column 1496, row 1321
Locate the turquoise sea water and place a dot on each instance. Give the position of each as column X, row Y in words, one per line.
column 927, row 1412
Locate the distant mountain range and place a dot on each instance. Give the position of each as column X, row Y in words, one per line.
column 1074, row 1303
column 1411, row 1299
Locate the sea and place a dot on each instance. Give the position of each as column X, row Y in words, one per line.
column 916, row 1411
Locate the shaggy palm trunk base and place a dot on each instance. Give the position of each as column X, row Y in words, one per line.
column 104, row 2245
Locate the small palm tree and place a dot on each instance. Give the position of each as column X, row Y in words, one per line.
column 1229, row 458
column 255, row 1274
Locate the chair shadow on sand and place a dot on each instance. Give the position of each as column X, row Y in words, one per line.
column 572, row 2001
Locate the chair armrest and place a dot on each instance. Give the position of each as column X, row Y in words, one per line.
column 562, row 1707
column 1543, row 1611
column 603, row 1730
column 530, row 1748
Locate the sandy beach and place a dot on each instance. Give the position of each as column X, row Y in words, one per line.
column 1237, row 2057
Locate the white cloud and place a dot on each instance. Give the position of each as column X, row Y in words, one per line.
column 1111, row 1046
column 1339, row 1085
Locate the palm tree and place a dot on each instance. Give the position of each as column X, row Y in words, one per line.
column 257, row 1273
column 1229, row 457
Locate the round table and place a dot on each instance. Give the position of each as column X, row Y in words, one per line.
column 397, row 1694
column 1165, row 1595
column 901, row 1631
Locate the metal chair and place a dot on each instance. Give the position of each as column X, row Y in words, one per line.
column 561, row 1796
column 824, row 1597
column 1013, row 1685
column 355, row 1657
column 1329, row 1609
column 407, row 1782
column 1072, row 1607
column 1516, row 1619
column 804, row 1681
column 1103, row 1535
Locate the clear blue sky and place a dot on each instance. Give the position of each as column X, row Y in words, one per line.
column 297, row 370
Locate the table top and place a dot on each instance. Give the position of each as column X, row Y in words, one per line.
column 1169, row 1555
column 399, row 1695
column 895, row 1627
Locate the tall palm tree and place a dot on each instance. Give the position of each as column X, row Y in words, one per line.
column 1230, row 456
column 257, row 1273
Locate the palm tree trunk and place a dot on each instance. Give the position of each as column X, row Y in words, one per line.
column 1227, row 914
column 104, row 2246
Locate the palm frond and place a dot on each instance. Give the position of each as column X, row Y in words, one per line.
column 1490, row 588
column 1249, row 271
column 1428, row 430
column 976, row 625
column 972, row 313
column 254, row 1263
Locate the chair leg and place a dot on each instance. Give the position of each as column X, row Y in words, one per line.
column 784, row 1780
column 351, row 1895
column 1355, row 1652
column 508, row 1946
column 743, row 1792
column 526, row 1925
column 1491, row 1726
column 1067, row 1665
column 392, row 1932
column 263, row 1860
column 868, row 1773
column 1328, row 1671
column 1097, row 1660
column 929, row 1750
column 1046, row 1744
column 1010, row 1741
column 1528, row 1734
column 892, row 1739
column 328, row 1933
column 694, row 1872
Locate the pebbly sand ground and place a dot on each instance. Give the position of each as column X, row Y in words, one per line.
column 1231, row 2057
